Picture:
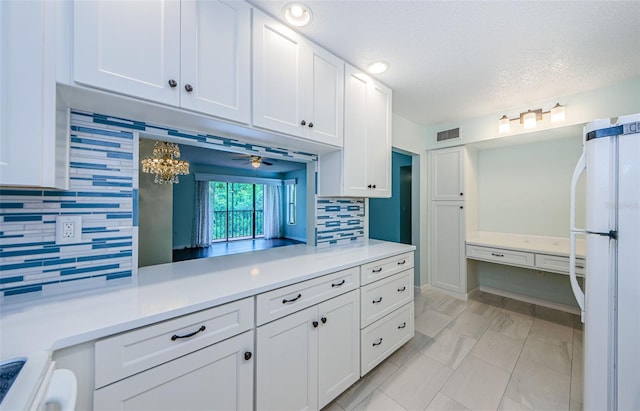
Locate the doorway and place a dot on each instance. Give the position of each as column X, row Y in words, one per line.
column 390, row 218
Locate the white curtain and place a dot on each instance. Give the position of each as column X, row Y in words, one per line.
column 272, row 211
column 202, row 227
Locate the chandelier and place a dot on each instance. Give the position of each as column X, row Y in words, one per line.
column 165, row 164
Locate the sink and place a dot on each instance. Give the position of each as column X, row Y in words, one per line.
column 9, row 371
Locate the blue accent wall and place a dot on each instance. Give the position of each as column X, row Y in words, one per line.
column 384, row 213
column 297, row 231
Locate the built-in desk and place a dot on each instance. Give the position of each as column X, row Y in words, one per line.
column 548, row 254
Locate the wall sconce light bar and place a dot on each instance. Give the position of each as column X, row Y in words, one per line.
column 529, row 118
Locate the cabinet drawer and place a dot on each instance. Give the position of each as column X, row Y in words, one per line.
column 382, row 297
column 286, row 300
column 559, row 264
column 129, row 353
column 383, row 337
column 500, row 256
column 383, row 268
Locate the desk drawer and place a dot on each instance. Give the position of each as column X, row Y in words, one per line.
column 501, row 256
column 131, row 352
column 376, row 270
column 382, row 338
column 286, row 300
column 559, row 264
column 382, row 297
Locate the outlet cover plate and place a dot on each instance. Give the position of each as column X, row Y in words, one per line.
column 68, row 229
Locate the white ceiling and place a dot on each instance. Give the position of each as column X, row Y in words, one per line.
column 207, row 156
column 451, row 60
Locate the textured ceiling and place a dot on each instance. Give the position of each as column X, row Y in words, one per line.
column 451, row 60
column 207, row 156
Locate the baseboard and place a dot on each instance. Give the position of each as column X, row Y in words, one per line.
column 531, row 300
column 450, row 293
column 304, row 240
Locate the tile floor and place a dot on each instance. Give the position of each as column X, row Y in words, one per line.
column 487, row 353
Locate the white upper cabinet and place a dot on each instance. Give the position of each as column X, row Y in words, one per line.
column 194, row 54
column 448, row 174
column 363, row 167
column 129, row 47
column 216, row 58
column 298, row 86
column 32, row 152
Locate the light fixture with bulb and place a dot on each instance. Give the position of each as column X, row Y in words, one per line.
column 377, row 67
column 530, row 118
column 297, row 14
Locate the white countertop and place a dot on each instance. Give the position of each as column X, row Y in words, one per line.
column 527, row 243
column 162, row 292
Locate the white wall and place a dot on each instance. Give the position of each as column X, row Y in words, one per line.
column 155, row 216
column 408, row 138
column 616, row 100
column 524, row 189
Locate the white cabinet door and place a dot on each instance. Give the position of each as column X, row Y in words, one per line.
column 216, row 54
column 323, row 86
column 286, row 367
column 448, row 174
column 367, row 140
column 129, row 47
column 218, row 377
column 338, row 346
column 32, row 152
column 276, row 76
column 355, row 130
column 378, row 140
column 448, row 241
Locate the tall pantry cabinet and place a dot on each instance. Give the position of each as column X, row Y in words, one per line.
column 451, row 168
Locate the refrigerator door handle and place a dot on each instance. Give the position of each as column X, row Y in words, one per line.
column 577, row 291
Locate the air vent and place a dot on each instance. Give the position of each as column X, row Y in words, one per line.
column 448, row 134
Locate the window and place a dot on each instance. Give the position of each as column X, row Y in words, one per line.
column 238, row 210
column 291, row 202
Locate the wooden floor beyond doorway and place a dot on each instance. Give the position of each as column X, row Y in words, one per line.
column 230, row 247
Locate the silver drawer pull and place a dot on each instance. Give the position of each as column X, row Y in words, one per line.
column 376, row 270
column 199, row 330
column 378, row 342
column 580, row 266
column 402, row 262
column 401, row 326
column 338, row 284
column 379, row 300
column 497, row 255
column 284, row 301
column 404, row 287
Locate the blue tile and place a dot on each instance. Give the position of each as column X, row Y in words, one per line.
column 114, row 216
column 11, row 205
column 110, row 245
column 113, row 154
column 119, row 134
column 15, row 279
column 135, row 207
column 88, row 269
column 110, row 184
column 89, row 205
column 60, row 193
column 31, row 193
column 59, row 261
column 29, row 252
column 105, row 195
column 127, row 253
column 101, row 143
column 16, row 218
column 23, row 290
column 36, row 244
column 121, row 274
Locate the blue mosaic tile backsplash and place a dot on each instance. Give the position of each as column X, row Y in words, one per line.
column 103, row 189
column 339, row 220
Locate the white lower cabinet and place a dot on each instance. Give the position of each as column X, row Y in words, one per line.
column 308, row 358
column 449, row 268
column 218, row 377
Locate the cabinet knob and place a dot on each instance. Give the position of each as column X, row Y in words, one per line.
column 369, row 186
column 374, row 186
column 461, row 194
column 247, row 356
column 303, row 123
column 310, row 125
column 324, row 320
column 173, row 83
column 461, row 207
column 315, row 324
column 188, row 88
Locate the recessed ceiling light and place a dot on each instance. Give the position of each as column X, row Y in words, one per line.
column 297, row 14
column 378, row 67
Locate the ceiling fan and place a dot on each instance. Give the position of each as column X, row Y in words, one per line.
column 255, row 161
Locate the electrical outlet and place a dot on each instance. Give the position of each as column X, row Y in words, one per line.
column 68, row 229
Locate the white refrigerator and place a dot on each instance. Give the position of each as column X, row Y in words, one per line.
column 610, row 302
